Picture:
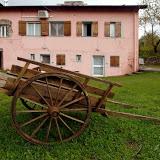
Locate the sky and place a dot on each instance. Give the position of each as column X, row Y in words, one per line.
column 91, row 2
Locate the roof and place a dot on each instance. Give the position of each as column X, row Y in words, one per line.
column 82, row 8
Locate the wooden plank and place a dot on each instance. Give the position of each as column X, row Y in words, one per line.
column 21, row 75
column 121, row 103
column 105, row 95
column 28, row 74
column 132, row 116
column 67, row 71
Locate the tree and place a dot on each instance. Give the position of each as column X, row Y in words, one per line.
column 145, row 45
column 150, row 21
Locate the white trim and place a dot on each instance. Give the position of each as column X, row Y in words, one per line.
column 3, row 31
column 56, row 27
column 34, row 29
column 98, row 65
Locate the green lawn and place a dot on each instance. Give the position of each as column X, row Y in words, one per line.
column 104, row 139
column 156, row 66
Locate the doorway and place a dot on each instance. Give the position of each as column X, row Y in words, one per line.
column 98, row 66
column 1, row 59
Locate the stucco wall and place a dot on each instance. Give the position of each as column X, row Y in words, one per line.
column 126, row 47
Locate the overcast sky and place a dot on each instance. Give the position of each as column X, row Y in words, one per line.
column 54, row 2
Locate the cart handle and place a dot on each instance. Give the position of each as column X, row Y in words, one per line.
column 67, row 71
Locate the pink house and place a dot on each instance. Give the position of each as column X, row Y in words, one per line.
column 93, row 40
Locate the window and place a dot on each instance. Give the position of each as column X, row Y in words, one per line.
column 45, row 58
column 3, row 31
column 114, row 61
column 98, row 65
column 33, row 29
column 57, row 29
column 60, row 59
column 87, row 29
column 112, row 29
column 78, row 58
column 33, row 57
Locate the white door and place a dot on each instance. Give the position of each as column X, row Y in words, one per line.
column 98, row 66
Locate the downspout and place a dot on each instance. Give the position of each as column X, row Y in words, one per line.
column 136, row 56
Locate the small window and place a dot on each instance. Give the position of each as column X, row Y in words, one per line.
column 87, row 29
column 114, row 61
column 45, row 58
column 3, row 31
column 57, row 29
column 60, row 59
column 112, row 29
column 33, row 57
column 33, row 29
column 78, row 58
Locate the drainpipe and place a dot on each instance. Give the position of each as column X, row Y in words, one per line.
column 136, row 56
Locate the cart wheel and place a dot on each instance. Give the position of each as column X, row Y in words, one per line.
column 27, row 104
column 61, row 108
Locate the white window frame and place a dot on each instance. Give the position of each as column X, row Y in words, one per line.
column 98, row 66
column 57, row 33
column 84, row 23
column 34, row 30
column 113, row 28
column 41, row 55
column 3, row 31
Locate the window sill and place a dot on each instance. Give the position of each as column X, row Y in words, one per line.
column 60, row 65
column 89, row 36
column 56, row 36
column 113, row 37
column 34, row 36
column 114, row 66
column 5, row 37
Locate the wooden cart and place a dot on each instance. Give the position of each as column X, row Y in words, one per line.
column 53, row 104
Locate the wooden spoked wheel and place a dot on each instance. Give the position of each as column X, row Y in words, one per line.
column 61, row 108
column 28, row 104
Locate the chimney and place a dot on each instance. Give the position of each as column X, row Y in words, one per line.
column 74, row 3
column 5, row 2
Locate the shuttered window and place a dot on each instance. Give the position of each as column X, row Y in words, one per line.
column 60, row 59
column 22, row 28
column 87, row 29
column 94, row 29
column 67, row 28
column 112, row 29
column 44, row 28
column 79, row 29
column 114, row 61
column 59, row 29
column 33, row 29
column 118, row 29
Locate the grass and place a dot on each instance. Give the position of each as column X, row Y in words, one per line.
column 156, row 66
column 104, row 139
